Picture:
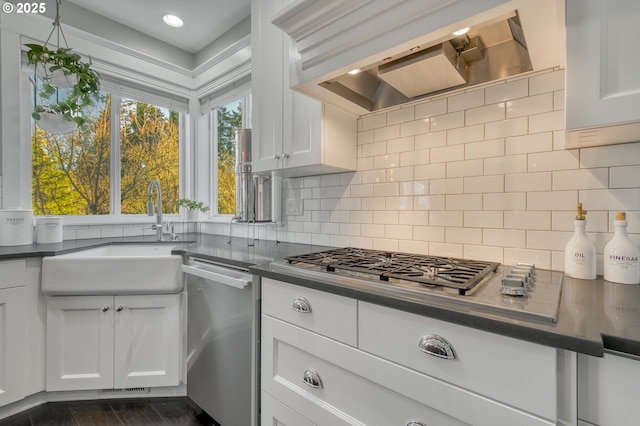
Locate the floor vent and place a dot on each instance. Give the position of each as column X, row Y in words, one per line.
column 127, row 390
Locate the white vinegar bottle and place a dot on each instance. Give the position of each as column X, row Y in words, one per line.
column 580, row 252
column 621, row 255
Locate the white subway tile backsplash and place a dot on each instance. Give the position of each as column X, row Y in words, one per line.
column 537, row 142
column 521, row 182
column 484, row 149
column 430, row 140
column 447, row 121
column 625, row 177
column 529, row 106
column 464, row 101
column 447, row 154
column 482, row 184
column 483, row 219
column 610, row 156
column 546, row 122
column 431, row 108
column 446, row 218
column 547, row 82
column 580, row 179
column 486, row 114
column 401, row 115
column 482, row 174
column 416, row 127
column 446, row 186
column 554, row 160
column 465, row 134
column 465, row 168
column 405, row 144
column 503, row 92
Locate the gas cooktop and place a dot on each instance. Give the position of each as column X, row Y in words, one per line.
column 468, row 284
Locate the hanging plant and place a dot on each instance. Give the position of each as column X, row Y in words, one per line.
column 64, row 85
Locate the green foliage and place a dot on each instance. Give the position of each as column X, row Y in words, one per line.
column 193, row 205
column 71, row 173
column 84, row 93
column 229, row 121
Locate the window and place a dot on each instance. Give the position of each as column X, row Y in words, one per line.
column 106, row 172
column 229, row 118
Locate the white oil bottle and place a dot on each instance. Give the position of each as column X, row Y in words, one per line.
column 621, row 255
column 580, row 252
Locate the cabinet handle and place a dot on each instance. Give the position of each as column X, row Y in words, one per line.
column 105, row 308
column 416, row 423
column 300, row 304
column 285, row 156
column 276, row 157
column 435, row 345
column 312, row 378
column 119, row 308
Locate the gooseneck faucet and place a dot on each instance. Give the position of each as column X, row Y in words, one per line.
column 158, row 207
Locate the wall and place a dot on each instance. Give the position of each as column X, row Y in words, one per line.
column 480, row 174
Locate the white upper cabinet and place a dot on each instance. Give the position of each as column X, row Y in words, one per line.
column 603, row 82
column 293, row 135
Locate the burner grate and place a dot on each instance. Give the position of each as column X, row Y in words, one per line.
column 460, row 274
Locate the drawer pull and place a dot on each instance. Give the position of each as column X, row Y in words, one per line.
column 312, row 378
column 300, row 304
column 416, row 423
column 435, row 345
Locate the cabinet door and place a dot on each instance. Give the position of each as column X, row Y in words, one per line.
column 603, row 83
column 274, row 413
column 267, row 47
column 147, row 340
column 12, row 365
column 79, row 342
column 302, row 143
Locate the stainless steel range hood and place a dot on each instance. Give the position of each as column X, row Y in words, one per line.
column 493, row 50
column 405, row 49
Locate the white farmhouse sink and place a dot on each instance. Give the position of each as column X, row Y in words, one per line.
column 114, row 269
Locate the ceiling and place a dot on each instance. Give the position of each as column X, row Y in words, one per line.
column 204, row 20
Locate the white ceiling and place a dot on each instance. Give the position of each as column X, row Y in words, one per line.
column 204, row 20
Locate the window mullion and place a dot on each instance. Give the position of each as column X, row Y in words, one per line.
column 115, row 155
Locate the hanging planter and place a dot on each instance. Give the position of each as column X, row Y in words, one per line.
column 64, row 84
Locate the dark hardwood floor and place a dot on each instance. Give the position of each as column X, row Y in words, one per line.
column 178, row 411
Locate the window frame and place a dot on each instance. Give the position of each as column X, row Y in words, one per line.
column 245, row 98
column 117, row 93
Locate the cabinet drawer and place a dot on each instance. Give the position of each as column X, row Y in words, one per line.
column 358, row 388
column 12, row 273
column 330, row 315
column 511, row 371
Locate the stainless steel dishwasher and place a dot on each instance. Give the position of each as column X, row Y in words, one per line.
column 223, row 341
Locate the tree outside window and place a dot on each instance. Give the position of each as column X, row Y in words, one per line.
column 229, row 121
column 71, row 174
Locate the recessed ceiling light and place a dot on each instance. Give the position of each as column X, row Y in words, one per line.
column 172, row 21
column 461, row 31
column 354, row 71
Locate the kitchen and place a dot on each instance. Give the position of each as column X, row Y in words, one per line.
column 490, row 179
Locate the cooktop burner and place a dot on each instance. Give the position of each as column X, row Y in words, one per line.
column 459, row 274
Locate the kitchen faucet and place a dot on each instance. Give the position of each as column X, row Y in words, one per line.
column 158, row 207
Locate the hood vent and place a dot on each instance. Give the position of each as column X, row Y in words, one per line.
column 490, row 51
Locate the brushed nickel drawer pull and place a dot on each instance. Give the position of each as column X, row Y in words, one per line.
column 416, row 423
column 435, row 345
column 300, row 304
column 312, row 378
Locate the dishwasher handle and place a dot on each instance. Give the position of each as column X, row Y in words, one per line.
column 230, row 277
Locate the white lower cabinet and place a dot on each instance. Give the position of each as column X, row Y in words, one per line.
column 330, row 382
column 12, row 346
column 104, row 342
column 608, row 390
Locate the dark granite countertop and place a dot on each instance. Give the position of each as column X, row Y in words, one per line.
column 594, row 315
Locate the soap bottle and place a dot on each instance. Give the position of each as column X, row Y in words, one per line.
column 580, row 252
column 621, row 255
